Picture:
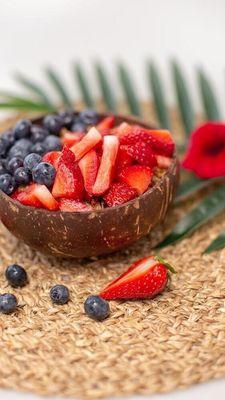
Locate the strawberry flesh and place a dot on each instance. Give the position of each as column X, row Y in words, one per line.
column 137, row 176
column 89, row 168
column 124, row 158
column 144, row 279
column 119, row 193
column 142, row 153
column 90, row 140
column 164, row 162
column 45, row 197
column 106, row 124
column 71, row 138
column 73, row 206
column 52, row 158
column 25, row 195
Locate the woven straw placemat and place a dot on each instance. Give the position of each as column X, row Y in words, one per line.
column 159, row 345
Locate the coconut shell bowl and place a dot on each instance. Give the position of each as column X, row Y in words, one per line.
column 92, row 233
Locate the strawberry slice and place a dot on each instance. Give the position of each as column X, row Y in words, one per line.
column 162, row 142
column 106, row 123
column 89, row 168
column 123, row 130
column 137, row 176
column 106, row 169
column 52, row 157
column 45, row 197
column 68, row 181
column 70, row 138
column 25, row 195
column 90, row 140
column 144, row 279
column 73, row 205
column 119, row 193
column 164, row 162
column 124, row 158
column 142, row 153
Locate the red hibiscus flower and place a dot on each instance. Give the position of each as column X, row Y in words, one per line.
column 206, row 151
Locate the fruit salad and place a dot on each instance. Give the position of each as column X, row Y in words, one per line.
column 78, row 162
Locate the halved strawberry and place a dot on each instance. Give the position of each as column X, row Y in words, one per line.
column 45, row 197
column 68, row 181
column 162, row 142
column 119, row 193
column 164, row 162
column 25, row 195
column 142, row 153
column 89, row 168
column 52, row 158
column 70, row 138
column 73, row 205
column 89, row 141
column 107, row 165
column 106, row 123
column 123, row 130
column 123, row 158
column 138, row 177
column 144, row 279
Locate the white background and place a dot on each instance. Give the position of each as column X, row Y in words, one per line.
column 34, row 33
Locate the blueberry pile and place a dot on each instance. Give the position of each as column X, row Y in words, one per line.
column 23, row 146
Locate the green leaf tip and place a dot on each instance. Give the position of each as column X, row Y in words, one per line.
column 217, row 244
column 164, row 262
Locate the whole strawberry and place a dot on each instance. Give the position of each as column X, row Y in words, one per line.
column 144, row 279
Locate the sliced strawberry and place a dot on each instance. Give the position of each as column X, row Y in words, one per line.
column 68, row 181
column 119, row 193
column 89, row 168
column 124, row 158
column 42, row 193
column 25, row 195
column 162, row 142
column 164, row 162
column 90, row 140
column 70, row 138
column 144, row 279
column 73, row 205
column 107, row 165
column 142, row 153
column 52, row 158
column 137, row 176
column 123, row 130
column 106, row 123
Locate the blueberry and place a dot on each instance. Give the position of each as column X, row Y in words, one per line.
column 17, row 151
column 78, row 126
column 22, row 129
column 67, row 118
column 16, row 275
column 38, row 134
column 38, row 148
column 3, row 166
column 59, row 294
column 52, row 143
column 9, row 137
column 53, row 123
column 8, row 303
column 96, row 308
column 7, row 183
column 14, row 163
column 31, row 161
column 44, row 174
column 21, row 176
column 89, row 117
column 3, row 147
column 23, row 144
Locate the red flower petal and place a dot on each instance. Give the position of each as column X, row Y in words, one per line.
column 206, row 151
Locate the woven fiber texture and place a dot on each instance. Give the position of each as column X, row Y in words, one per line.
column 159, row 345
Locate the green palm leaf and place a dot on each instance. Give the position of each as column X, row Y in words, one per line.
column 217, row 244
column 129, row 90
column 106, row 89
column 210, row 105
column 34, row 88
column 202, row 213
column 156, row 88
column 191, row 186
column 183, row 98
column 59, row 87
column 83, row 85
column 26, row 106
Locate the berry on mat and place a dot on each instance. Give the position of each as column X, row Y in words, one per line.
column 59, row 294
column 45, row 197
column 119, row 193
column 8, row 303
column 96, row 308
column 31, row 161
column 7, row 183
column 16, row 275
column 138, row 177
column 89, row 168
column 144, row 279
column 90, row 140
column 44, row 174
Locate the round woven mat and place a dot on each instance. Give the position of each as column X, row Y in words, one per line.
column 145, row 347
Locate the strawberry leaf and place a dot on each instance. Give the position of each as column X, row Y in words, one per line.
column 164, row 262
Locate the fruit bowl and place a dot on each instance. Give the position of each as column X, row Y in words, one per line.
column 92, row 233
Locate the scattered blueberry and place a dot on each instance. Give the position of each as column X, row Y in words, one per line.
column 14, row 163
column 89, row 116
column 7, row 183
column 31, row 161
column 22, row 129
column 38, row 134
column 78, row 126
column 52, row 143
column 44, row 174
column 21, row 176
column 96, row 308
column 9, row 137
column 67, row 118
column 53, row 124
column 16, row 275
column 59, row 294
column 8, row 303
column 38, row 148
column 3, row 147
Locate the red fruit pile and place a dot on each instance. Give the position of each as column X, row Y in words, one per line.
column 106, row 167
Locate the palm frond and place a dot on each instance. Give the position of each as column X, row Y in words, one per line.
column 33, row 87
column 83, row 84
column 59, row 86
column 128, row 89
column 209, row 102
column 107, row 93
